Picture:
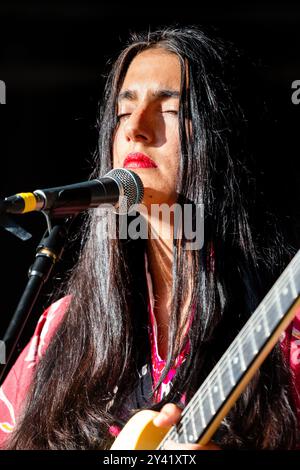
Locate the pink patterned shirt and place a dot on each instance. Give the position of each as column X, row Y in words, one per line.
column 157, row 362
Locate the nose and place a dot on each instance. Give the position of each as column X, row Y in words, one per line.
column 139, row 127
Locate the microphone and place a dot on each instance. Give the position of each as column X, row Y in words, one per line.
column 120, row 187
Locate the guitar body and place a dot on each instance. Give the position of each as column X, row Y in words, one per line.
column 140, row 433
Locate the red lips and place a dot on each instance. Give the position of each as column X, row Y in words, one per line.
column 138, row 160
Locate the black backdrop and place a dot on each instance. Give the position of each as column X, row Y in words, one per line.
column 52, row 58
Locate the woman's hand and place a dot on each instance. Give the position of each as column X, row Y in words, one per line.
column 170, row 415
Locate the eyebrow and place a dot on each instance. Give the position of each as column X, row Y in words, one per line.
column 131, row 95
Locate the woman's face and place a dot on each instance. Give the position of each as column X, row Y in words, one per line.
column 148, row 106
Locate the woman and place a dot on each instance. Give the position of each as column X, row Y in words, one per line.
column 146, row 320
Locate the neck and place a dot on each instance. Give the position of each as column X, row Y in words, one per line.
column 160, row 261
column 160, row 255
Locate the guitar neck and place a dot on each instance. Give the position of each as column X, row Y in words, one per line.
column 202, row 416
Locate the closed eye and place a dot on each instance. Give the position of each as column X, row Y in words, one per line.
column 120, row 116
column 171, row 111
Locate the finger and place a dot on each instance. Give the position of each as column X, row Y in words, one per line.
column 168, row 415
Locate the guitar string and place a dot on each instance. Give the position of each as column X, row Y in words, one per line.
column 253, row 322
column 209, row 378
column 245, row 333
column 194, row 402
column 213, row 376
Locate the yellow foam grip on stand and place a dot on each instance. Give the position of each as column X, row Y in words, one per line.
column 29, row 201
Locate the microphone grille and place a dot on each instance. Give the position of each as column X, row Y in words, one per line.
column 131, row 187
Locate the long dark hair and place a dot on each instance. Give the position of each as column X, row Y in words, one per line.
column 89, row 369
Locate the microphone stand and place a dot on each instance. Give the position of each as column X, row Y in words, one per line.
column 48, row 252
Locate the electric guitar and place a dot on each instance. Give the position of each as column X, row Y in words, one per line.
column 213, row 400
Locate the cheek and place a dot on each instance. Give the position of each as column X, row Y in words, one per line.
column 116, row 150
column 174, row 149
column 173, row 136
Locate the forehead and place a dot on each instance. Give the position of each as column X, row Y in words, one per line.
column 153, row 69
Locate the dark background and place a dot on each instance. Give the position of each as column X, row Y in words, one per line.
column 52, row 59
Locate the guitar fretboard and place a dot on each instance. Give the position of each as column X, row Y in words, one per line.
column 235, row 362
